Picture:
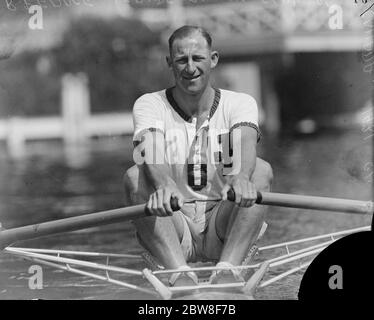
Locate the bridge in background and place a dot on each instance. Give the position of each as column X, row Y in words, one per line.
column 240, row 29
column 259, row 26
column 258, row 38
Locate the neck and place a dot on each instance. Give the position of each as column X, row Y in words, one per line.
column 194, row 104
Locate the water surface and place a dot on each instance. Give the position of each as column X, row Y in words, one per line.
column 51, row 183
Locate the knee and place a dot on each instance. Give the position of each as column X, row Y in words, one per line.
column 136, row 187
column 130, row 179
column 263, row 175
column 128, row 186
column 268, row 172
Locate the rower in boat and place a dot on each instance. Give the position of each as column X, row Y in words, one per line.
column 194, row 142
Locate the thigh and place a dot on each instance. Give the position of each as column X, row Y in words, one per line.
column 154, row 224
column 179, row 223
column 261, row 177
column 221, row 218
column 216, row 229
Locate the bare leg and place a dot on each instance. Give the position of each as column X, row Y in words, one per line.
column 161, row 236
column 240, row 227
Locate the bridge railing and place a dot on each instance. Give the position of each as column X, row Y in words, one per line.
column 256, row 19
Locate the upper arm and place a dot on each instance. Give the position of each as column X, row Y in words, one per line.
column 244, row 136
column 148, row 136
column 243, row 113
column 147, row 117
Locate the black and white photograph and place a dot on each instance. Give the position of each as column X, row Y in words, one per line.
column 162, row 150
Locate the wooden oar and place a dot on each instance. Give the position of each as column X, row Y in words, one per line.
column 314, row 203
column 10, row 236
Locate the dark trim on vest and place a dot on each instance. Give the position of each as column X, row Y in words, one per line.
column 248, row 124
column 183, row 115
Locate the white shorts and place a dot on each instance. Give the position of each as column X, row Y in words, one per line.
column 200, row 241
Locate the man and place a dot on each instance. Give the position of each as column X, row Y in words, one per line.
column 194, row 143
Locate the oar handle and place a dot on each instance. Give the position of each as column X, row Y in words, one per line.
column 302, row 202
column 310, row 202
column 230, row 196
column 175, row 207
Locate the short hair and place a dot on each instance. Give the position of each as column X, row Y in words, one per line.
column 185, row 31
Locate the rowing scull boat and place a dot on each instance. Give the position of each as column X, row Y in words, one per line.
column 68, row 260
column 79, row 263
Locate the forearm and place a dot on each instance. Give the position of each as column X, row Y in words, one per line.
column 244, row 157
column 247, row 161
column 151, row 156
column 156, row 168
column 158, row 174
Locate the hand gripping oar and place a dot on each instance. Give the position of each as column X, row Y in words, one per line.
column 10, row 236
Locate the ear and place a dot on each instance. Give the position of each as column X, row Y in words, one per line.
column 168, row 61
column 214, row 57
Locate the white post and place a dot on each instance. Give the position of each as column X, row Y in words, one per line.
column 288, row 16
column 75, row 108
column 245, row 77
column 77, row 156
column 272, row 113
column 15, row 138
column 176, row 14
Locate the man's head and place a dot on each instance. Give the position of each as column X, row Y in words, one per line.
column 191, row 58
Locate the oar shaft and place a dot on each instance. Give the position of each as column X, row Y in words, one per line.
column 129, row 213
column 315, row 203
column 71, row 224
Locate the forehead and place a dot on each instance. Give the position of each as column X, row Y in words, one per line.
column 194, row 43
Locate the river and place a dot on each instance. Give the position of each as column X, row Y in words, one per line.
column 51, row 182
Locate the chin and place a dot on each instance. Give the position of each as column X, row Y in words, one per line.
column 193, row 88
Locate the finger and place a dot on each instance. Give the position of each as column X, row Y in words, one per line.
column 252, row 197
column 238, row 194
column 249, row 202
column 180, row 201
column 166, row 202
column 157, row 204
column 245, row 195
column 179, row 197
column 160, row 202
column 149, row 206
column 243, row 202
column 153, row 205
column 224, row 191
column 253, row 192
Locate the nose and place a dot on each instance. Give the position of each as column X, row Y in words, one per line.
column 190, row 68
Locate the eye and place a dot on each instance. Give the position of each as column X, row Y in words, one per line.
column 181, row 60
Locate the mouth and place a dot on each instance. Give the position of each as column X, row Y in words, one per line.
column 191, row 78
